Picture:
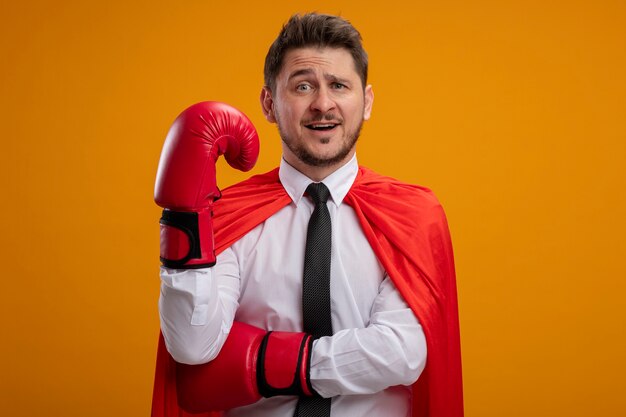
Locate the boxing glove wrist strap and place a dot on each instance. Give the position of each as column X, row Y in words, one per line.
column 187, row 239
column 283, row 364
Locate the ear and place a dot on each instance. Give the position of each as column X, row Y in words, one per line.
column 267, row 104
column 369, row 102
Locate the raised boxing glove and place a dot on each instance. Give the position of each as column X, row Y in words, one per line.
column 252, row 364
column 186, row 185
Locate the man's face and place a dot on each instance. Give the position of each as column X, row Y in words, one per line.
column 319, row 105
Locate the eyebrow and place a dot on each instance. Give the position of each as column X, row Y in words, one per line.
column 303, row 71
column 307, row 71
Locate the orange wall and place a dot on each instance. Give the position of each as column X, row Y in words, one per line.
column 512, row 111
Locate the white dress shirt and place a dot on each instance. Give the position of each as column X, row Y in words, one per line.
column 378, row 348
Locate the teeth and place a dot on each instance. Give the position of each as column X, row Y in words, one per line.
column 328, row 126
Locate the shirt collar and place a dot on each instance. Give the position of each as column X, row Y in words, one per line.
column 338, row 183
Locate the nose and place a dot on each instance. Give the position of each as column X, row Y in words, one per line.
column 322, row 100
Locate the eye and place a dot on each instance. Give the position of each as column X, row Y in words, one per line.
column 303, row 87
column 338, row 86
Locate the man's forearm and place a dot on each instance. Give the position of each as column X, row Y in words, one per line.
column 390, row 351
column 195, row 314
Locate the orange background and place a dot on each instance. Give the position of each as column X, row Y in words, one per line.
column 512, row 111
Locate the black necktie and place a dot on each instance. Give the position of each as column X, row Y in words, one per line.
column 316, row 288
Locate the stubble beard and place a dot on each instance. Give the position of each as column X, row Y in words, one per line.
column 308, row 158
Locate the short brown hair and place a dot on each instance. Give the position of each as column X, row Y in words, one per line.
column 313, row 29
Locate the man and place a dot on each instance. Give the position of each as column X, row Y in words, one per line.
column 391, row 296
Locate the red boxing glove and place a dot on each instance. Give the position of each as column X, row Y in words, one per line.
column 186, row 186
column 252, row 364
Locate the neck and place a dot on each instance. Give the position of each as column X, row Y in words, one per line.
column 315, row 173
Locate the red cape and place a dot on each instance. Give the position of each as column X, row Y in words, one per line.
column 407, row 229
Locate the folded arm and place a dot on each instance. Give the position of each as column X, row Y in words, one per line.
column 390, row 351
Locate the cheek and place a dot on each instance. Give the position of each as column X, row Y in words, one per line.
column 288, row 115
column 356, row 114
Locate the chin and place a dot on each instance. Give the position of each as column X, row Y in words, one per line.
column 324, row 159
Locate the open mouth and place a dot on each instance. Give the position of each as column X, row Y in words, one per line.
column 321, row 126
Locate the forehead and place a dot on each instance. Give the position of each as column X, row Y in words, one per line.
column 335, row 61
